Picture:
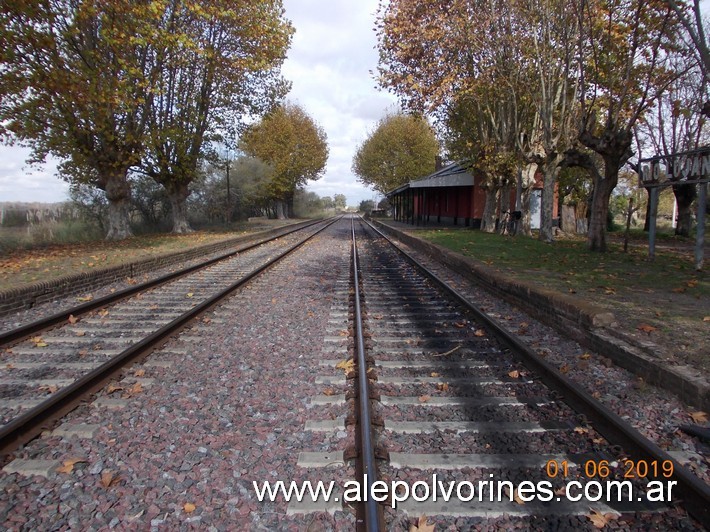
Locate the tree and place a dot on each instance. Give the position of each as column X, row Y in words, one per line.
column 75, row 80
column 366, row 206
column 294, row 145
column 624, row 61
column 695, row 28
column 224, row 64
column 674, row 125
column 340, row 202
column 402, row 147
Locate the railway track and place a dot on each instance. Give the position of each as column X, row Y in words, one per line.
column 413, row 388
column 468, row 424
column 47, row 367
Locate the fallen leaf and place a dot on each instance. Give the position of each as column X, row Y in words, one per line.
column 346, row 365
column 514, row 374
column 434, row 374
column 103, row 312
column 706, row 318
column 585, row 356
column 479, row 332
column 72, row 319
column 139, row 373
column 113, row 388
column 581, row 430
column 515, row 497
column 108, row 478
column 524, row 325
column 424, row 398
column 699, row 417
column 564, row 368
column 80, row 333
column 68, row 465
column 645, row 327
column 189, row 507
column 422, row 526
column 189, row 294
column 562, row 492
column 85, row 298
column 343, row 332
column 460, row 324
column 329, row 391
column 599, row 519
column 206, row 320
column 442, row 387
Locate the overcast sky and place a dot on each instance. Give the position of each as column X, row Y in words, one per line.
column 329, row 63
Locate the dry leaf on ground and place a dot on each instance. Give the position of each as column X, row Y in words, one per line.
column 699, row 417
column 346, row 365
column 73, row 319
column 645, row 327
column 68, row 465
column 189, row 507
column 514, row 374
column 422, row 526
column 108, row 478
column 599, row 519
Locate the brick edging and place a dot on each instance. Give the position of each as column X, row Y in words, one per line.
column 586, row 323
column 27, row 296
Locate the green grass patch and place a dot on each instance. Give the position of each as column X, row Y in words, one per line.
column 568, row 266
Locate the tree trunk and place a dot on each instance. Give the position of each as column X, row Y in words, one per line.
column 528, row 183
column 280, row 215
column 550, row 169
column 488, row 223
column 118, row 193
column 684, row 195
column 603, row 187
column 177, row 194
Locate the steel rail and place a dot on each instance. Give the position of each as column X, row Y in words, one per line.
column 373, row 515
column 25, row 331
column 26, row 426
column 694, row 493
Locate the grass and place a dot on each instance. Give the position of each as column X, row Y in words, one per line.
column 567, row 265
column 19, row 265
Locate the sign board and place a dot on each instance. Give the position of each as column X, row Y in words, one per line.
column 682, row 168
column 679, row 168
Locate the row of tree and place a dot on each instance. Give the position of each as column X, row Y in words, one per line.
column 119, row 88
column 519, row 86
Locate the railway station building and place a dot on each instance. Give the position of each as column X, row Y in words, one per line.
column 453, row 195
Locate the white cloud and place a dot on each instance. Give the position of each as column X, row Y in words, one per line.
column 329, row 63
column 22, row 182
